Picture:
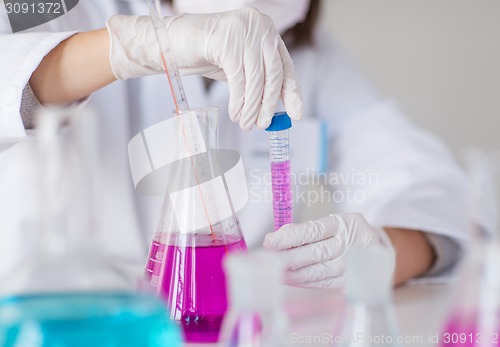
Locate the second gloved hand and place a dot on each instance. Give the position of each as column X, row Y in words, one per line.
column 315, row 252
column 242, row 47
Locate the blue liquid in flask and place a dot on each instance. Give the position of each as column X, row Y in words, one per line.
column 86, row 319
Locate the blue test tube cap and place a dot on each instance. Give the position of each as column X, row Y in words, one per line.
column 280, row 121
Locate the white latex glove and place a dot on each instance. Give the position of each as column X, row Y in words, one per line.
column 316, row 251
column 242, row 47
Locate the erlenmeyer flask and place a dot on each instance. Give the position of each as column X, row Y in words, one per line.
column 68, row 293
column 368, row 318
column 462, row 319
column 197, row 228
column 489, row 319
column 256, row 317
column 474, row 314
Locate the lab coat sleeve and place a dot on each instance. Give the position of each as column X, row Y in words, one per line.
column 21, row 55
column 405, row 178
column 333, row 89
column 386, row 168
column 448, row 253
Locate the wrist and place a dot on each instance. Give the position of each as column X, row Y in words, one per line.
column 134, row 49
column 414, row 253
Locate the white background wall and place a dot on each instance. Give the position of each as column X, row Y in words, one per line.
column 439, row 58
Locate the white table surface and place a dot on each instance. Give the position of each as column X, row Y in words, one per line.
column 420, row 309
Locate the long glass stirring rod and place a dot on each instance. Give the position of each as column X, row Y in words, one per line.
column 181, row 104
column 167, row 56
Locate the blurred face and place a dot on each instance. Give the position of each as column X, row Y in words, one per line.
column 285, row 13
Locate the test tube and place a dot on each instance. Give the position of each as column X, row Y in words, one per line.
column 280, row 168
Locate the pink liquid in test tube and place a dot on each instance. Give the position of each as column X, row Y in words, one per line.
column 280, row 169
column 282, row 200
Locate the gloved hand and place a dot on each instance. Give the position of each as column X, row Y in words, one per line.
column 315, row 251
column 242, row 47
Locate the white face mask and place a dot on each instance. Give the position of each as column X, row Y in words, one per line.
column 285, row 13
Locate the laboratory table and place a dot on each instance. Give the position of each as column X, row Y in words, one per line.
column 314, row 314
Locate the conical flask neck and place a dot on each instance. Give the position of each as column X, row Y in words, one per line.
column 196, row 199
column 196, row 132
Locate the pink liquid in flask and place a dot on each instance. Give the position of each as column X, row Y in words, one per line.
column 188, row 274
column 462, row 330
column 282, row 199
column 459, row 332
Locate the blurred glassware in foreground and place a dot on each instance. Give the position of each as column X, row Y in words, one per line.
column 197, row 228
column 474, row 314
column 67, row 293
column 368, row 318
column 256, row 317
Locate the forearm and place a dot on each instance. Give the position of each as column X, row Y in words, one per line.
column 74, row 69
column 414, row 253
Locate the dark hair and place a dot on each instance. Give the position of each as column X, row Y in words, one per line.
column 302, row 34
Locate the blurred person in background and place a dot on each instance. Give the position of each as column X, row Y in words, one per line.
column 416, row 208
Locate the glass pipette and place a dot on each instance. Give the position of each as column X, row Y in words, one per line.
column 280, row 168
column 193, row 142
column 167, row 56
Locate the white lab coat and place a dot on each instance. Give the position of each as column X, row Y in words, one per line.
column 417, row 185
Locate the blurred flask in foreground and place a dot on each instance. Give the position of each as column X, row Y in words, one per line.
column 474, row 315
column 256, row 317
column 67, row 293
column 473, row 319
column 368, row 317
